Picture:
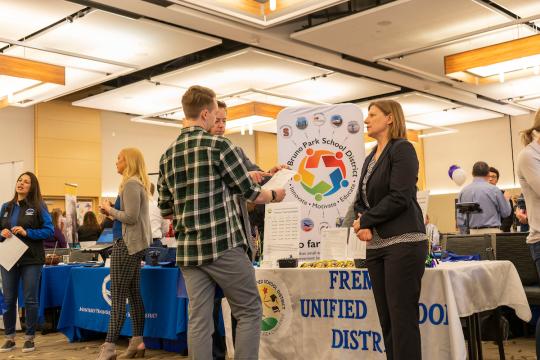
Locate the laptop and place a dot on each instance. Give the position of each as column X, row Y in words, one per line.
column 106, row 237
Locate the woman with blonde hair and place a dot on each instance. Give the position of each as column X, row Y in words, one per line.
column 132, row 235
column 528, row 170
column 391, row 222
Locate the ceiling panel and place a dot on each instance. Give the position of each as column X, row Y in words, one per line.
column 115, row 45
column 112, row 37
column 255, row 12
column 414, row 104
column 140, row 98
column 242, row 70
column 432, row 61
column 400, row 26
column 532, row 102
column 434, row 111
column 515, row 88
column 522, row 8
column 458, row 115
column 22, row 18
column 335, row 88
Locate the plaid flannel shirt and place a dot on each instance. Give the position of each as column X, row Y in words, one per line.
column 198, row 176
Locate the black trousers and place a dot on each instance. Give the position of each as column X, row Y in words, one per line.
column 219, row 347
column 396, row 276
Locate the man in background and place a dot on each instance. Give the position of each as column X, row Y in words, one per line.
column 493, row 179
column 492, row 202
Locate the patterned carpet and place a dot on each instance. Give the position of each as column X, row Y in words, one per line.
column 55, row 346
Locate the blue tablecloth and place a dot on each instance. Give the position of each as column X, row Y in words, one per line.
column 54, row 280
column 86, row 304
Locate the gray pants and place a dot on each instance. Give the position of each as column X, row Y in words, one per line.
column 234, row 273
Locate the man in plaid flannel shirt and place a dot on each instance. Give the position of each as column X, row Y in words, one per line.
column 198, row 176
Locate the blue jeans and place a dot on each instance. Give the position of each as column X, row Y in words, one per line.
column 535, row 253
column 31, row 277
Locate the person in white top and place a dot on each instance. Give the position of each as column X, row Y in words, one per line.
column 529, row 178
column 432, row 233
column 159, row 225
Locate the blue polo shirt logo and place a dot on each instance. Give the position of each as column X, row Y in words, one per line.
column 29, row 212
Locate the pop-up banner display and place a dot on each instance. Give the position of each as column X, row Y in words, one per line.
column 325, row 145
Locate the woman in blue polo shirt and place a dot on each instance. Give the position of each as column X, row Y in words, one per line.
column 25, row 216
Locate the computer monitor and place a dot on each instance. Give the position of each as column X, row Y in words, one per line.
column 106, row 237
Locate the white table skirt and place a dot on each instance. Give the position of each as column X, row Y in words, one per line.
column 331, row 313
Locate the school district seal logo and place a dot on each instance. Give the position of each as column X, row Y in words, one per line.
column 276, row 305
column 106, row 289
column 322, row 173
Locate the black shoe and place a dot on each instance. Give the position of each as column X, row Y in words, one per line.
column 28, row 346
column 8, row 346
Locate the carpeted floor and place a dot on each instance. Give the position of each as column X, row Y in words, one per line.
column 55, row 346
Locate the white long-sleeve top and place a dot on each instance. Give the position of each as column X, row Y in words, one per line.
column 158, row 225
column 528, row 164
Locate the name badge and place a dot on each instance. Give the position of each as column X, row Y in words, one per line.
column 29, row 212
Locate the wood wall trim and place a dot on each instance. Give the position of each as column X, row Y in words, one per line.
column 253, row 108
column 493, row 54
column 30, row 69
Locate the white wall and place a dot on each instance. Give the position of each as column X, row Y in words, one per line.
column 246, row 142
column 119, row 132
column 17, row 126
column 489, row 140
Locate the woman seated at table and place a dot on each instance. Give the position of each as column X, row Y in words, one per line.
column 90, row 229
column 57, row 240
column 132, row 234
column 25, row 216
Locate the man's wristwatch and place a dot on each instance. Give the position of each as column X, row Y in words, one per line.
column 274, row 195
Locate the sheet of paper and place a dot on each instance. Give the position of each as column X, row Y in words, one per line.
column 11, row 251
column 356, row 249
column 281, row 231
column 279, row 180
column 334, row 244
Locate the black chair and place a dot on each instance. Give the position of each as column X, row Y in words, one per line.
column 484, row 246
column 512, row 247
column 469, row 245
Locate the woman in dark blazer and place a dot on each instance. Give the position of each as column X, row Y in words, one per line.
column 390, row 220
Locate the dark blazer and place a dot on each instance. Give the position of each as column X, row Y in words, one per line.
column 391, row 192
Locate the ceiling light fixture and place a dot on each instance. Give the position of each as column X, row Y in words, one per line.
column 499, row 62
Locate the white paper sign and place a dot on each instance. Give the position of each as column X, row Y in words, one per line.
column 356, row 248
column 279, row 180
column 11, row 251
column 281, row 231
column 422, row 197
column 334, row 244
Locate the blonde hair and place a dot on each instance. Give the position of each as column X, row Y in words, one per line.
column 527, row 135
column 398, row 130
column 135, row 167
